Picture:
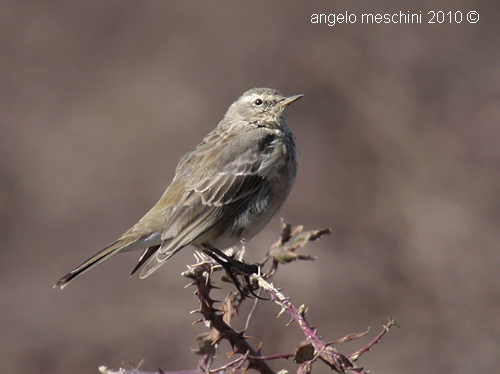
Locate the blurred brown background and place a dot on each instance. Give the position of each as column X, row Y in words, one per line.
column 399, row 136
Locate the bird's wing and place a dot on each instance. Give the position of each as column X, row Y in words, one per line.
column 217, row 184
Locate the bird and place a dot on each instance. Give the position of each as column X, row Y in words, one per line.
column 224, row 192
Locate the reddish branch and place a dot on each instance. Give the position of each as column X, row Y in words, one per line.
column 201, row 276
column 308, row 352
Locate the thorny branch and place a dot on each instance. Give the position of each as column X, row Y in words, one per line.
column 219, row 319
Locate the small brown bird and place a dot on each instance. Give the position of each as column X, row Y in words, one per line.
column 223, row 193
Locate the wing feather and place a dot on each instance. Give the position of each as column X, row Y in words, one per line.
column 212, row 192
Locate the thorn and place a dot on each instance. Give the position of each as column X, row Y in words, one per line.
column 189, row 285
column 196, row 322
column 259, row 348
column 197, row 256
column 289, row 322
column 241, row 335
column 216, row 341
column 359, row 370
column 283, row 309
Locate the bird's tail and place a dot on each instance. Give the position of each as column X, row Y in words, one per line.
column 111, row 250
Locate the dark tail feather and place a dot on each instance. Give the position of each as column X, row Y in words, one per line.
column 148, row 252
column 95, row 260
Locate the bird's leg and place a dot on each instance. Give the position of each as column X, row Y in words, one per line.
column 224, row 260
column 233, row 268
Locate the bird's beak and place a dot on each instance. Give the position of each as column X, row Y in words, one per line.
column 288, row 100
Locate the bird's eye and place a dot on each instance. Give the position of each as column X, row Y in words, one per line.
column 257, row 102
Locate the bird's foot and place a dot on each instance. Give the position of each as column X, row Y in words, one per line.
column 235, row 269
